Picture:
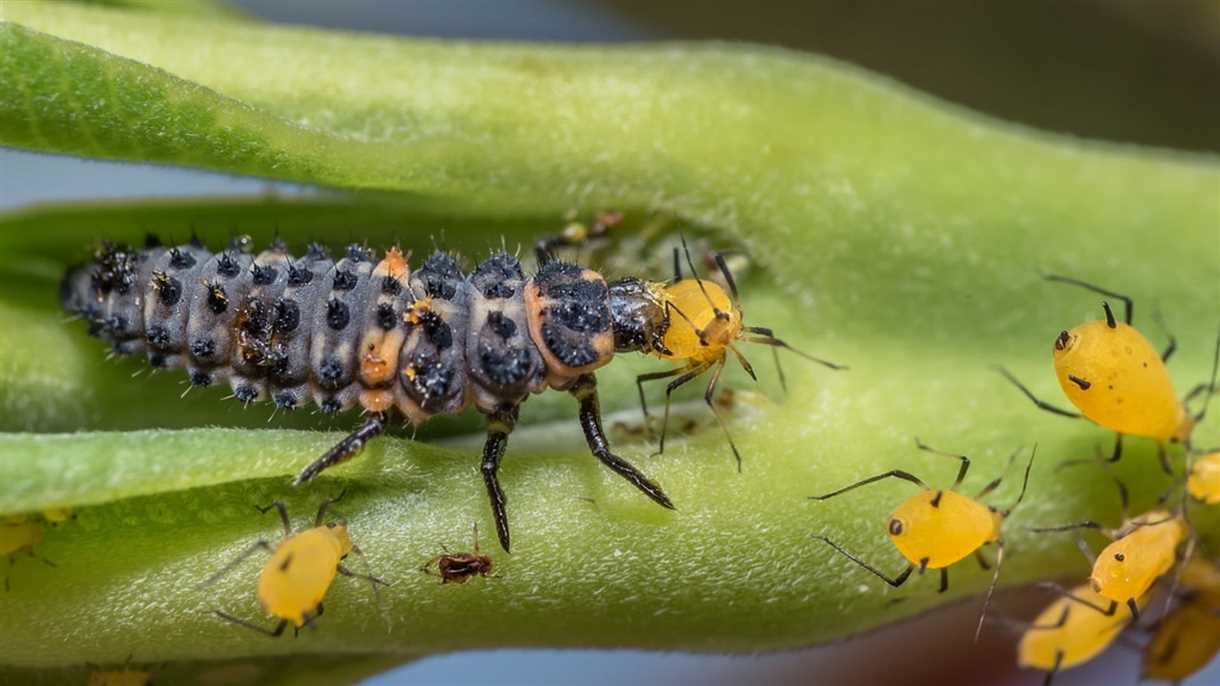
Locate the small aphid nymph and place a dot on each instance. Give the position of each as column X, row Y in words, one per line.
column 1067, row 633
column 936, row 528
column 299, row 572
column 459, row 568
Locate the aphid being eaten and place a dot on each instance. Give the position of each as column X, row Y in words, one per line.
column 459, row 568
column 1114, row 376
column 425, row 342
column 1067, row 633
column 20, row 535
column 300, row 570
column 1142, row 550
column 936, row 528
column 1188, row 638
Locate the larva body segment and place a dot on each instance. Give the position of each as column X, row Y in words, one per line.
column 293, row 326
column 337, row 325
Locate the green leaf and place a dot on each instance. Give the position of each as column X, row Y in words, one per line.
column 895, row 234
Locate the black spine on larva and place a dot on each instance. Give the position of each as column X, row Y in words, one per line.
column 254, row 352
column 221, row 286
column 432, row 363
column 293, row 326
column 337, row 325
column 575, row 311
column 500, row 357
column 108, row 292
column 175, row 272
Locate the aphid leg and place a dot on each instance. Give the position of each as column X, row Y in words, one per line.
column 982, row 560
column 1135, row 610
column 1163, row 457
column 923, row 565
column 1183, row 559
column 1172, row 345
column 499, row 426
column 895, row 581
column 585, row 391
column 677, row 265
column 1130, row 305
column 895, row 473
column 720, row 314
column 1024, row 482
column 639, row 384
column 995, row 483
column 1211, row 384
column 995, row 580
column 310, row 618
column 1087, row 524
column 345, row 449
column 1117, row 453
column 1041, row 404
column 1066, row 593
column 708, row 398
column 1050, row 676
column 944, row 580
column 282, row 510
column 273, row 633
column 962, row 468
column 689, row 373
column 254, row 547
column 779, row 369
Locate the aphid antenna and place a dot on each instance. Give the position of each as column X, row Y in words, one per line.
column 279, row 507
column 720, row 314
column 962, row 469
column 893, row 473
column 995, row 483
column 995, row 579
column 260, row 544
column 1172, row 345
column 1127, row 301
column 767, row 337
column 1084, row 602
column 1211, row 384
column 1177, row 574
column 1041, row 404
column 272, row 633
column 1024, row 483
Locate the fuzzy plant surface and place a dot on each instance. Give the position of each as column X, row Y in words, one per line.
column 884, row 230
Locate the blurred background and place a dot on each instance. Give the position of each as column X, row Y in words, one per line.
column 1131, row 71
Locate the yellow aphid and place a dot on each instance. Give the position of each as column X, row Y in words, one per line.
column 1203, row 482
column 1202, row 579
column 707, row 309
column 1144, row 551
column 1068, row 633
column 124, row 677
column 1114, row 376
column 936, row 528
column 300, row 570
column 1186, row 641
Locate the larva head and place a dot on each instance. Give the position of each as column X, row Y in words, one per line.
column 1129, row 566
column 1071, row 630
column 1203, row 483
column 941, row 527
column 1112, row 374
column 300, row 571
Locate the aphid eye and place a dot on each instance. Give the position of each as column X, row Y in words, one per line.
column 1061, row 343
column 1120, row 557
column 895, row 527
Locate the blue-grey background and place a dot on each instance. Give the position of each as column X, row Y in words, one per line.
column 1108, row 70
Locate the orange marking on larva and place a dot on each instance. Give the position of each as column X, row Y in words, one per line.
column 395, row 263
column 377, row 363
column 411, row 316
column 376, row 400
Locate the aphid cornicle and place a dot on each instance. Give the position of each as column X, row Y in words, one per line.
column 1067, row 633
column 936, row 528
column 1114, row 376
column 459, row 568
column 299, row 572
column 1142, row 550
column 431, row 341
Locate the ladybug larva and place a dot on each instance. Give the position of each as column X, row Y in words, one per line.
column 424, row 342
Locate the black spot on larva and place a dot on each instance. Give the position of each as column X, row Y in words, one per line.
column 504, row 366
column 501, row 325
column 573, row 353
column 330, row 370
column 440, row 275
column 386, row 317
column 203, row 348
column 246, row 394
column 497, row 291
column 263, row 274
column 330, row 406
column 357, row 252
column 316, row 251
column 201, row 379
column 390, row 286
column 344, row 280
column 287, row 316
column 437, row 331
column 582, row 316
column 432, row 376
column 218, row 301
column 227, row 267
column 298, row 277
column 116, row 325
column 114, row 268
column 337, row 314
column 158, row 337
column 180, row 260
column 285, row 401
column 169, row 289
